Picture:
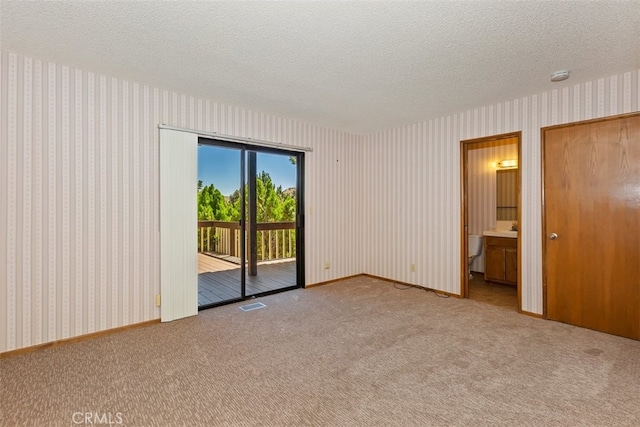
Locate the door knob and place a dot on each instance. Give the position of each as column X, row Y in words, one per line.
column 553, row 236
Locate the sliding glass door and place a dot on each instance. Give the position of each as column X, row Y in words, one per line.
column 249, row 230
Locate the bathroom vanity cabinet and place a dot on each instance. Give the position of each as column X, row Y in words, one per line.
column 501, row 260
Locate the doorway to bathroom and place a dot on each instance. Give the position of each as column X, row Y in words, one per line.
column 490, row 218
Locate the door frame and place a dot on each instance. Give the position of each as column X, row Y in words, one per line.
column 244, row 149
column 465, row 146
column 542, row 190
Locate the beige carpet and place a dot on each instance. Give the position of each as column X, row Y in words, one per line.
column 354, row 353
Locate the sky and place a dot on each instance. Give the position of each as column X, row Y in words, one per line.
column 220, row 166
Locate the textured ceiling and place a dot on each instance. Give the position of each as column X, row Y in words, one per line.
column 355, row 66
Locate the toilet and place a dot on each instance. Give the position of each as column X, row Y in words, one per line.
column 475, row 249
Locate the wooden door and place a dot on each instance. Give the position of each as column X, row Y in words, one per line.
column 591, row 182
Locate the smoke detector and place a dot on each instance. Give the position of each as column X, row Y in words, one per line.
column 559, row 76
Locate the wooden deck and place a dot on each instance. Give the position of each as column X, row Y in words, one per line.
column 219, row 280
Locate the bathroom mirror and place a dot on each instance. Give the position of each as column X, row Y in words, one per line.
column 507, row 195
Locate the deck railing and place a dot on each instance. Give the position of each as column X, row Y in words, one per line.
column 275, row 240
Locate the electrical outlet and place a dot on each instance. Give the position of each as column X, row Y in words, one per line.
column 327, row 265
column 412, row 268
column 158, row 300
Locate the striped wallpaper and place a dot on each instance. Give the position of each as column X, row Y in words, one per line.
column 79, row 195
column 414, row 171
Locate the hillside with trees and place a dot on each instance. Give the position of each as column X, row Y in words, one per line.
column 273, row 203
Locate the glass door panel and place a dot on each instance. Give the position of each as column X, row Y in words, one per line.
column 220, row 236
column 271, row 222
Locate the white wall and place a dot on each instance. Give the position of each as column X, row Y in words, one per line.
column 79, row 195
column 415, row 171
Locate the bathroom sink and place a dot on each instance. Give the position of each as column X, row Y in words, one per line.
column 501, row 233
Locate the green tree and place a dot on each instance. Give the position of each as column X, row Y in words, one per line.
column 212, row 205
column 273, row 203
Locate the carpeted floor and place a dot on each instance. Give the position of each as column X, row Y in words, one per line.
column 354, row 353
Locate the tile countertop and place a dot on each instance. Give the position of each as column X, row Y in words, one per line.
column 501, row 233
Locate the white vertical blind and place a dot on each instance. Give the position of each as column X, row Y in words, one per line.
column 178, row 224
